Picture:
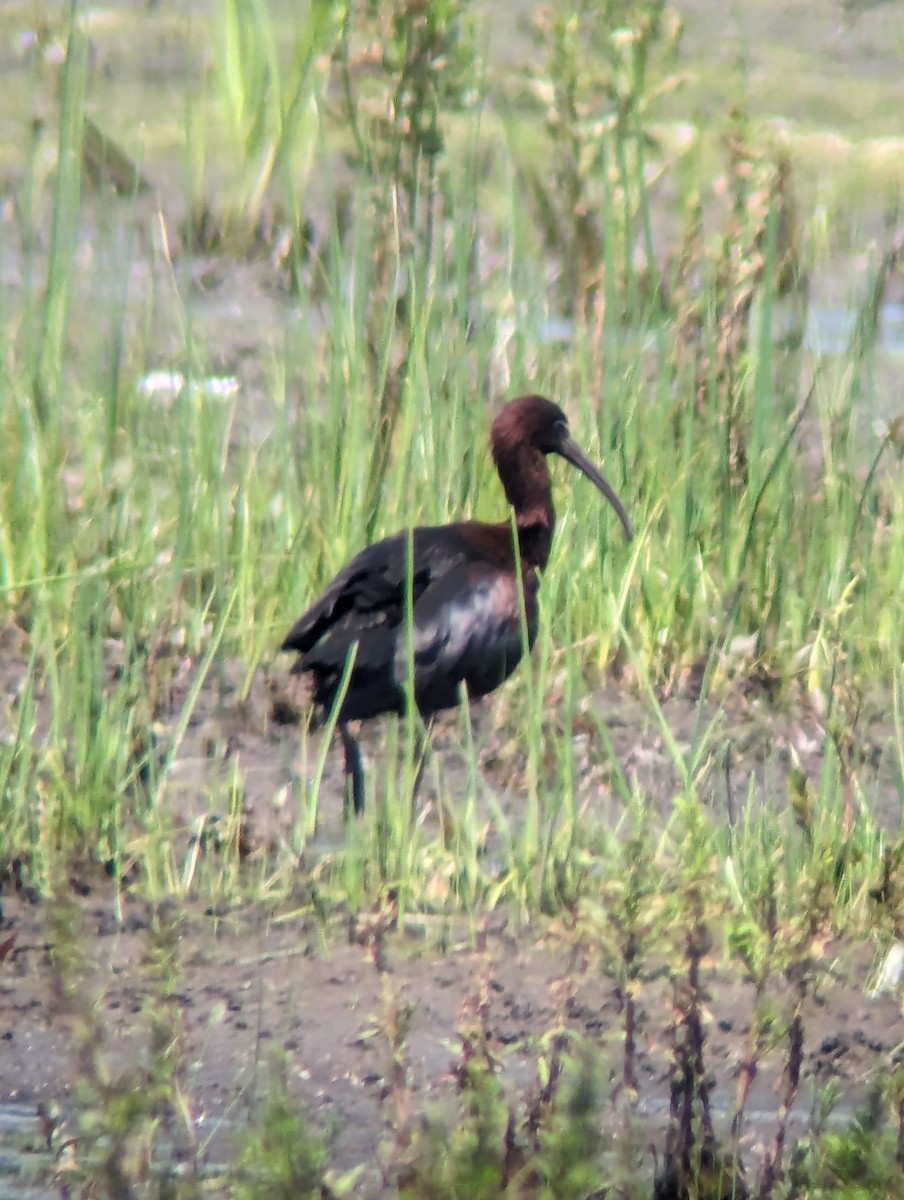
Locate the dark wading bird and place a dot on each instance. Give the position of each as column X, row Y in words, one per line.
column 466, row 625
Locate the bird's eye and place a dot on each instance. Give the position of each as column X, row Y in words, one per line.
column 561, row 428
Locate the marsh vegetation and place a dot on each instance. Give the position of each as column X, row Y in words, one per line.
column 267, row 271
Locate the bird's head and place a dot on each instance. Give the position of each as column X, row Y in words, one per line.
column 533, row 422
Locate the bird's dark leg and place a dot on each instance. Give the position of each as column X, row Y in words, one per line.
column 354, row 773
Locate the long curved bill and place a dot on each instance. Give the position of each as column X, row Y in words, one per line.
column 572, row 452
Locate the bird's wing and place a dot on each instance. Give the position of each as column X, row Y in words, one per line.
column 370, row 591
column 467, row 628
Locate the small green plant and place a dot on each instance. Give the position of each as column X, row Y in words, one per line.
column 123, row 1116
column 404, row 66
column 279, row 1155
column 603, row 72
column 861, row 1159
column 271, row 102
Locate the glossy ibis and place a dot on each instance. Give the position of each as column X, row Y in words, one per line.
column 465, row 607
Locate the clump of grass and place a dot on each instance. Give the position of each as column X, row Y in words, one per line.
column 547, row 1143
column 865, row 1157
column 271, row 101
column 404, row 68
column 603, row 72
column 123, row 1119
column 146, row 558
column 692, row 1153
column 722, row 334
column 279, row 1155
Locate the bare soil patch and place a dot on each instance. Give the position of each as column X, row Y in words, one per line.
column 254, row 981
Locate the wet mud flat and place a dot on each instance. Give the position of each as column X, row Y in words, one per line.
column 255, row 979
column 259, row 982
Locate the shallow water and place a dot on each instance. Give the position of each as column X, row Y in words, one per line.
column 28, row 1167
column 828, row 331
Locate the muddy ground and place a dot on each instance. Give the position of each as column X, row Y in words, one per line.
column 257, row 977
column 252, row 984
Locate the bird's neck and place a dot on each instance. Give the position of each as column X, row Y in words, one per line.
column 535, row 539
column 525, row 479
